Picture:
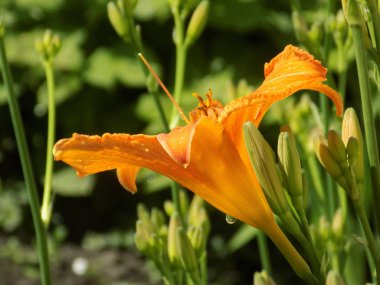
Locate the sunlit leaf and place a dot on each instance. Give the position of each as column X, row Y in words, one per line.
column 67, row 183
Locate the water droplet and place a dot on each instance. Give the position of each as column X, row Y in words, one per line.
column 230, row 220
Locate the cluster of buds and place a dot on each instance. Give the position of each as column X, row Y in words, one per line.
column 342, row 157
column 330, row 235
column 120, row 14
column 278, row 184
column 179, row 247
column 48, row 46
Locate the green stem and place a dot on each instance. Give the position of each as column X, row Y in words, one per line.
column 372, row 5
column 203, row 261
column 264, row 252
column 368, row 118
column 47, row 201
column 31, row 187
column 295, row 260
column 181, row 55
column 374, row 250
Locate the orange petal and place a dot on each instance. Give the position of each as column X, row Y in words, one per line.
column 290, row 71
column 92, row 154
column 177, row 143
column 127, row 177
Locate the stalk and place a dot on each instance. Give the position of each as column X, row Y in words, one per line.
column 368, row 118
column 27, row 169
column 264, row 252
column 47, row 201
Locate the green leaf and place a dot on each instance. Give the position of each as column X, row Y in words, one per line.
column 106, row 68
column 241, row 237
column 67, row 183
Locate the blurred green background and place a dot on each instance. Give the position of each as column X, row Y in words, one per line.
column 101, row 88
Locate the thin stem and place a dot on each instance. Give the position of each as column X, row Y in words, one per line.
column 372, row 5
column 181, row 55
column 368, row 118
column 264, row 252
column 30, row 183
column 203, row 261
column 374, row 250
column 47, row 202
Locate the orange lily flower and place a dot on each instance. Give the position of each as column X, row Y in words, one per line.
column 208, row 155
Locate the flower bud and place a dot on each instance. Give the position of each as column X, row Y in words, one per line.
column 198, row 240
column 290, row 166
column 337, row 150
column 352, row 13
column 197, row 215
column 157, row 219
column 49, row 45
column 328, row 161
column 351, row 128
column 173, row 253
column 262, row 278
column 187, row 254
column 338, row 224
column 333, row 278
column 117, row 19
column 169, row 207
column 262, row 159
column 300, row 27
column 197, row 22
column 143, row 216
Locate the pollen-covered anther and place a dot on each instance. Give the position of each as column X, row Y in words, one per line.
column 206, row 107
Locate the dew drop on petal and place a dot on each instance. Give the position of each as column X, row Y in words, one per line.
column 230, row 220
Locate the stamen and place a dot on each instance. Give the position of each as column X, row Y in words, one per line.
column 164, row 88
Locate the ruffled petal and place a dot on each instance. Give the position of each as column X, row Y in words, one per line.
column 290, row 71
column 177, row 143
column 127, row 177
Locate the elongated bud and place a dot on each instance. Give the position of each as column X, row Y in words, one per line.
column 142, row 237
column 187, row 254
column 352, row 12
column 157, row 219
column 197, row 215
column 351, row 129
column 328, row 161
column 337, row 148
column 338, row 224
column 117, row 19
column 144, row 217
column 262, row 278
column 198, row 240
column 334, row 278
column 300, row 26
column 173, row 253
column 290, row 166
column 197, row 22
column 262, row 159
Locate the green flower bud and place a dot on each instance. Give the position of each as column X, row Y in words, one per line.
column 141, row 243
column 197, row 22
column 337, row 150
column 183, row 201
column 187, row 254
column 352, row 12
column 334, row 278
column 300, row 27
column 351, row 128
column 144, row 217
column 290, row 166
column 48, row 46
column 338, row 224
column 262, row 278
column 157, row 219
column 315, row 34
column 352, row 151
column 173, row 253
column 198, row 240
column 262, row 159
column 169, row 207
column 328, row 161
column 197, row 215
column 117, row 19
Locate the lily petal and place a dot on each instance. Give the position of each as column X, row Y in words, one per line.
column 127, row 177
column 290, row 71
column 177, row 143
